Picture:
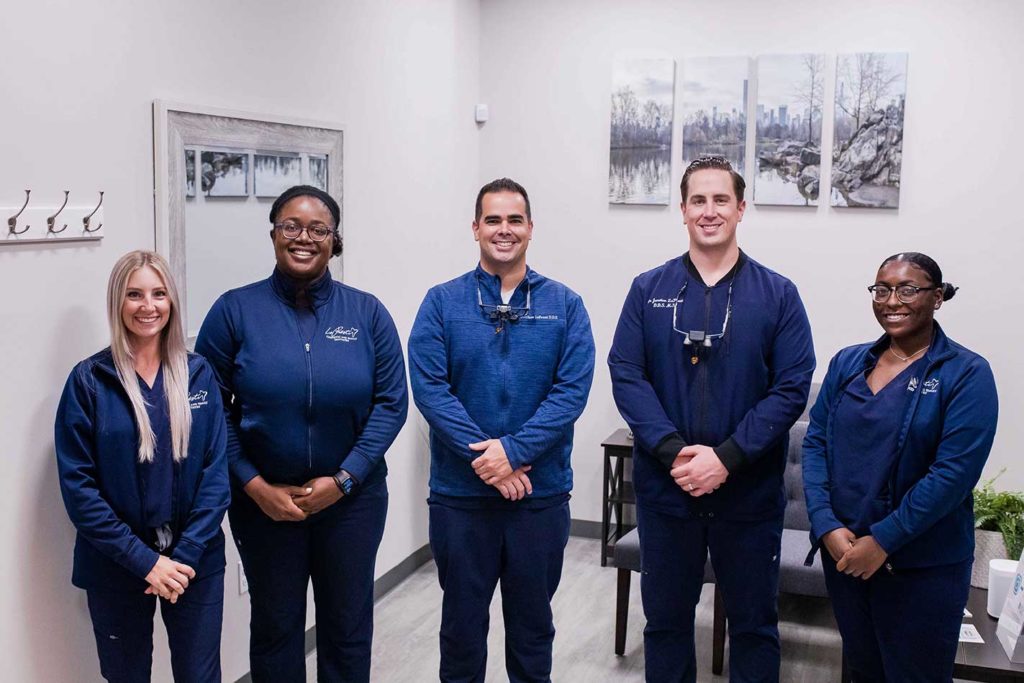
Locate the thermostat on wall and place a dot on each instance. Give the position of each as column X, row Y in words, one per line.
column 482, row 113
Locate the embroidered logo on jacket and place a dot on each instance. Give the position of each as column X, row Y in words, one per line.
column 930, row 387
column 913, row 384
column 342, row 334
column 197, row 400
column 662, row 303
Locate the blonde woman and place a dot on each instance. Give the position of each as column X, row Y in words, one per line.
column 140, row 441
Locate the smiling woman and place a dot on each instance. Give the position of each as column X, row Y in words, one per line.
column 144, row 478
column 304, row 236
column 316, row 369
column 897, row 440
column 146, row 306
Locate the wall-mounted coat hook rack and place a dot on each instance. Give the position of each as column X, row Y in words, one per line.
column 85, row 221
column 37, row 222
column 52, row 219
column 12, row 222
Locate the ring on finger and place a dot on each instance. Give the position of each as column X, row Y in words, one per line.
column 689, row 487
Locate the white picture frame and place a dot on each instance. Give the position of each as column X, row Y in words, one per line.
column 177, row 126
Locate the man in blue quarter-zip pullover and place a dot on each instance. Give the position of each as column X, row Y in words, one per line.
column 711, row 365
column 501, row 361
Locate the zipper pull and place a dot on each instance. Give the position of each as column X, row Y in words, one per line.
column 307, row 347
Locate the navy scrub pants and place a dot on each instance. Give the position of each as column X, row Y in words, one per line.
column 522, row 547
column 337, row 550
column 900, row 627
column 123, row 625
column 745, row 556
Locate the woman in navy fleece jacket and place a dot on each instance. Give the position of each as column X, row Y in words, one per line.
column 313, row 380
column 897, row 440
column 140, row 442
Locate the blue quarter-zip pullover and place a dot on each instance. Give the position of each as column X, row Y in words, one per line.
column 946, row 430
column 306, row 406
column 526, row 382
column 740, row 395
column 100, row 480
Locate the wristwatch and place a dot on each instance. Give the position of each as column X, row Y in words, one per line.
column 346, row 484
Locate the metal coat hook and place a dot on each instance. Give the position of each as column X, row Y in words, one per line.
column 52, row 219
column 12, row 222
column 85, row 221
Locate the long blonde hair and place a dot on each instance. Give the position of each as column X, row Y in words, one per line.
column 173, row 355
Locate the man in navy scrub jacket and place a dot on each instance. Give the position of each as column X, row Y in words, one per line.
column 711, row 365
column 501, row 360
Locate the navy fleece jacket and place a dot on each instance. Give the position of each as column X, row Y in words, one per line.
column 945, row 437
column 97, row 455
column 525, row 382
column 302, row 407
column 740, row 397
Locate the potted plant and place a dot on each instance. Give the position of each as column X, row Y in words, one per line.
column 998, row 528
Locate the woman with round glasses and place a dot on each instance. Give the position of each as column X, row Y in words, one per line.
column 897, row 440
column 140, row 443
column 314, row 385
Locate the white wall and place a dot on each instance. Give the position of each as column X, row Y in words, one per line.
column 79, row 80
column 546, row 74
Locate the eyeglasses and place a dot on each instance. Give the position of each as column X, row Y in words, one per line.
column 503, row 312
column 317, row 232
column 700, row 337
column 904, row 293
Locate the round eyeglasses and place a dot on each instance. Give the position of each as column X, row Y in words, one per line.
column 317, row 232
column 904, row 293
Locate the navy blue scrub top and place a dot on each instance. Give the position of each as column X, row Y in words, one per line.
column 866, row 432
column 157, row 477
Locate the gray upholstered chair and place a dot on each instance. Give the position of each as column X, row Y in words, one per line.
column 627, row 560
column 794, row 577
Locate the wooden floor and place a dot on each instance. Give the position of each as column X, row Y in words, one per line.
column 405, row 646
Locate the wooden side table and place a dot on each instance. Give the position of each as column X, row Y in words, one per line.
column 618, row 491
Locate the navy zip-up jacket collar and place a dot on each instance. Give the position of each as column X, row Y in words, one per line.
column 317, row 292
column 525, row 382
column 96, row 442
column 945, row 437
column 727, row 278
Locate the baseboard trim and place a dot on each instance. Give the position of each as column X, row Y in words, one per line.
column 584, row 528
column 381, row 587
column 401, row 571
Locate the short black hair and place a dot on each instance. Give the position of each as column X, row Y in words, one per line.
column 501, row 185
column 930, row 268
column 717, row 163
column 315, row 192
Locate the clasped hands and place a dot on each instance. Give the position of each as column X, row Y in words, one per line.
column 494, row 469
column 858, row 557
column 169, row 579
column 698, row 471
column 284, row 503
